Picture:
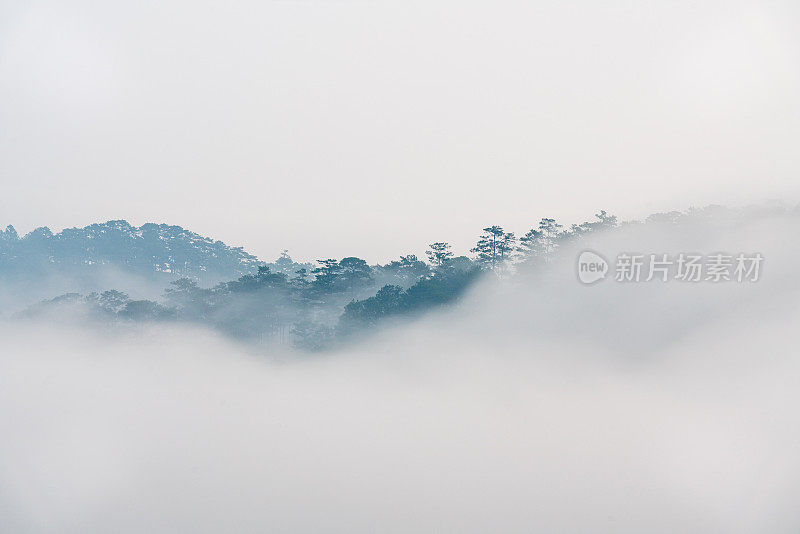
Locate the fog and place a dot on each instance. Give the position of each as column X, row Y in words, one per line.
column 23, row 289
column 537, row 404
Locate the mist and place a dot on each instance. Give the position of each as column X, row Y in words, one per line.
column 287, row 124
column 536, row 404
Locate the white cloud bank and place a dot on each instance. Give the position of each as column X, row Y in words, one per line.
column 542, row 407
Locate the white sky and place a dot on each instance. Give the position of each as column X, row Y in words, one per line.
column 371, row 128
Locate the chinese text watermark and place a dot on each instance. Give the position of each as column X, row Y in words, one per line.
column 684, row 267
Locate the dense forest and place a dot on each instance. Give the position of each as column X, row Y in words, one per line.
column 151, row 249
column 143, row 260
column 308, row 306
column 311, row 306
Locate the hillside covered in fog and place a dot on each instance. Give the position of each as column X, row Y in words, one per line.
column 622, row 406
column 142, row 259
column 325, row 304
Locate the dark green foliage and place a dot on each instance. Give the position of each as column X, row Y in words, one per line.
column 445, row 286
column 354, row 272
column 283, row 302
column 495, row 247
column 387, row 301
column 438, row 253
column 403, row 272
column 326, row 275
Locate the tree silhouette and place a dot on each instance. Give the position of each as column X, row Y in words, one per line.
column 494, row 247
column 439, row 253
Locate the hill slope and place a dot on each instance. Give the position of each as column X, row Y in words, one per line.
column 109, row 254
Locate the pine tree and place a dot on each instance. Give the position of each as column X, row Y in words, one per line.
column 439, row 253
column 494, row 247
column 326, row 275
column 537, row 243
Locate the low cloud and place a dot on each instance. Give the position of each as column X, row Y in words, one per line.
column 538, row 404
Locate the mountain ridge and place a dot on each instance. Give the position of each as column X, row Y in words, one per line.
column 161, row 247
column 109, row 254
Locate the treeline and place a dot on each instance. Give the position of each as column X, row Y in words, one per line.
column 315, row 306
column 158, row 251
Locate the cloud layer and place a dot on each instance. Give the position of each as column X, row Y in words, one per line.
column 538, row 406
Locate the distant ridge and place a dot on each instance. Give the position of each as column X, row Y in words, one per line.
column 151, row 250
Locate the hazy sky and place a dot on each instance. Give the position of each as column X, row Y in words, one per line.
column 342, row 127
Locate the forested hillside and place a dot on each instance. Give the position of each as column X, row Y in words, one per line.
column 151, row 248
column 310, row 306
column 306, row 305
column 142, row 259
